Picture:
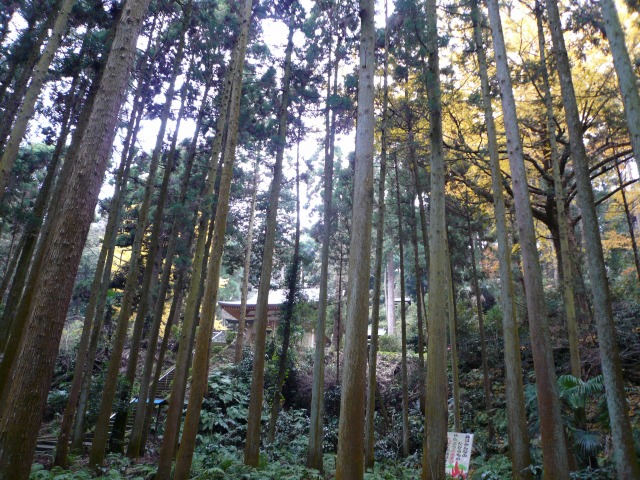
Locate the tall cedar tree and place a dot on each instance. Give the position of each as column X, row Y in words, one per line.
column 252, row 447
column 246, row 268
column 369, row 435
column 514, row 390
column 567, row 274
column 554, row 447
column 288, row 312
column 29, row 103
column 200, row 357
column 627, row 79
column 26, row 398
column 433, row 461
column 316, row 428
column 623, row 449
column 111, row 381
column 350, row 457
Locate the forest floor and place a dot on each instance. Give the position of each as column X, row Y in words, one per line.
column 223, row 421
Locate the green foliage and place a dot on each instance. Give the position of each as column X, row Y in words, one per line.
column 224, row 413
column 585, row 415
column 405, row 469
column 389, row 343
column 496, row 467
column 117, row 467
column 225, row 463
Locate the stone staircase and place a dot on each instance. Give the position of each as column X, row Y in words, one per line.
column 47, row 443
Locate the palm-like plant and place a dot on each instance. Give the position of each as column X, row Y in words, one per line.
column 577, row 395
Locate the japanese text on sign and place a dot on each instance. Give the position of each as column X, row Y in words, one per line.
column 458, row 454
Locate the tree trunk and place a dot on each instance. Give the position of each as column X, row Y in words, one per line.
column 623, row 449
column 514, row 391
column 567, row 274
column 554, row 449
column 29, row 103
column 246, row 268
column 112, row 227
column 403, row 322
column 453, row 341
column 316, row 428
column 287, row 314
column 176, row 399
column 21, row 308
column 390, row 297
column 369, row 435
column 94, row 313
column 338, row 328
column 111, row 381
column 174, row 316
column 199, row 380
column 50, row 297
column 85, row 359
column 19, row 267
column 488, row 401
column 252, row 447
column 433, row 460
column 629, row 217
column 627, row 79
column 147, row 385
column 133, row 448
column 154, row 258
column 350, row 457
column 419, row 314
column 12, row 105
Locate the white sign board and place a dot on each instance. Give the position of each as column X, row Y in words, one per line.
column 458, row 454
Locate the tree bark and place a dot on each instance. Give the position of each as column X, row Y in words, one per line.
column 10, row 152
column 514, row 390
column 112, row 229
column 488, row 400
column 567, row 273
column 174, row 314
column 147, row 384
column 111, row 381
column 133, row 448
column 390, row 297
column 453, row 341
column 623, row 449
column 369, row 435
column 154, row 258
column 433, row 460
column 199, row 380
column 252, row 447
column 419, row 314
column 50, row 297
column 20, row 261
column 629, row 218
column 627, row 79
column 350, row 457
column 102, row 274
column 554, row 449
column 176, row 399
column 287, row 314
column 403, row 322
column 246, row 267
column 316, row 428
